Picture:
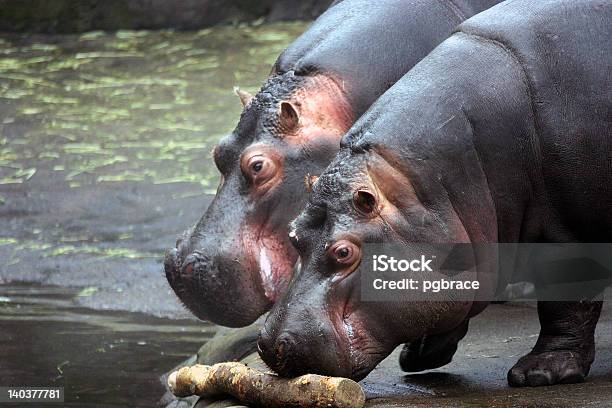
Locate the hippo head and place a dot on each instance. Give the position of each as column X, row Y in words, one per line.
column 237, row 260
column 321, row 326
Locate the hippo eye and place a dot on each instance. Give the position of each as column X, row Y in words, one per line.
column 364, row 202
column 344, row 252
column 259, row 169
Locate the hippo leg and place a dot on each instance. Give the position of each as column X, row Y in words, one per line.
column 432, row 351
column 565, row 348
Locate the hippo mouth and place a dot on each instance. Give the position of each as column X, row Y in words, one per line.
column 231, row 290
column 364, row 351
column 276, row 261
column 361, row 349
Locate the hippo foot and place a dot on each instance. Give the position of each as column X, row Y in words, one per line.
column 432, row 351
column 565, row 348
column 412, row 359
column 548, row 368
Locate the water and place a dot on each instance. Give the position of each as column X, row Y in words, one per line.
column 105, row 142
column 139, row 106
column 100, row 358
column 105, row 151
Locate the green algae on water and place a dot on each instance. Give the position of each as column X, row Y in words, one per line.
column 130, row 105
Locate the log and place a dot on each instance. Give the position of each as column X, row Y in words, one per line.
column 253, row 387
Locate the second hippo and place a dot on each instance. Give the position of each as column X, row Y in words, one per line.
column 503, row 134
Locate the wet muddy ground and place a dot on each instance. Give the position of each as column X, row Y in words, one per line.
column 477, row 375
column 110, row 358
column 105, row 144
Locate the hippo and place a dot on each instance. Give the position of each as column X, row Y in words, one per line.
column 237, row 260
column 502, row 134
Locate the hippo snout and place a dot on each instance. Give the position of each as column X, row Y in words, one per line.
column 214, row 282
column 179, row 263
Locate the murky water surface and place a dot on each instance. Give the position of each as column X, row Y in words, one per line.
column 100, row 358
column 127, row 106
column 105, row 150
column 105, row 142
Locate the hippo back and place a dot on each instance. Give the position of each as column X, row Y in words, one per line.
column 368, row 31
column 564, row 48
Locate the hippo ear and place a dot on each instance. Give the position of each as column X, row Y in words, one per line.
column 364, row 202
column 244, row 96
column 289, row 118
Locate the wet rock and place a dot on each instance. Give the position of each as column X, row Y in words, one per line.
column 63, row 16
column 231, row 344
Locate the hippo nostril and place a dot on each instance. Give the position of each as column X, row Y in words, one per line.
column 276, row 352
column 189, row 259
column 194, row 261
column 188, row 266
column 283, row 350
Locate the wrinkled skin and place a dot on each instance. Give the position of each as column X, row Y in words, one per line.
column 451, row 154
column 360, row 198
column 237, row 261
column 231, row 267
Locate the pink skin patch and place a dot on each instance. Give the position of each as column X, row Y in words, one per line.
column 323, row 110
column 323, row 113
column 274, row 258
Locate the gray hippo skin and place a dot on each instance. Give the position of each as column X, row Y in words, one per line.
column 237, row 261
column 502, row 134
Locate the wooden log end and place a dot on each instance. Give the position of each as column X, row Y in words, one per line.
column 347, row 391
column 172, row 381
